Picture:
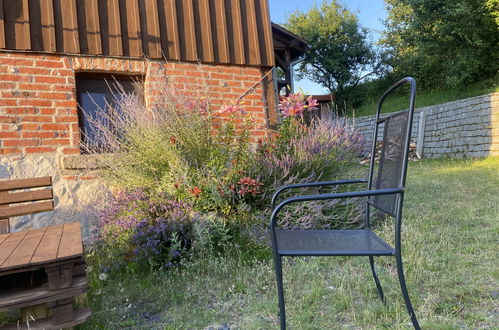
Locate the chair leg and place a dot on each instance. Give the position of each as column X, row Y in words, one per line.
column 405, row 294
column 280, row 290
column 376, row 280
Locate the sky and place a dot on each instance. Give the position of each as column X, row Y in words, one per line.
column 370, row 13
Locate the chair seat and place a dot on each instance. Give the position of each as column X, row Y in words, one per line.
column 358, row 242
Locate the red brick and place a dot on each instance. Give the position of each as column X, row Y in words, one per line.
column 37, row 119
column 34, row 87
column 8, row 102
column 33, row 150
column 38, row 134
column 68, row 111
column 55, row 142
column 50, row 80
column 47, row 111
column 55, row 127
column 16, row 61
column 19, row 143
column 53, row 96
column 51, row 57
column 68, row 103
column 6, row 151
column 49, row 64
column 7, row 85
column 65, row 88
column 34, row 70
column 64, row 72
column 9, row 135
column 66, row 119
column 20, row 111
column 8, row 119
column 29, row 126
column 13, row 77
column 223, row 76
column 67, row 151
column 87, row 177
column 36, row 103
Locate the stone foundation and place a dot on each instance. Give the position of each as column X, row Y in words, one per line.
column 74, row 200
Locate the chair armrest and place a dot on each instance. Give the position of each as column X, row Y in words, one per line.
column 313, row 184
column 352, row 194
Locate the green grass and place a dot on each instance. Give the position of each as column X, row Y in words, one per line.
column 429, row 97
column 451, row 225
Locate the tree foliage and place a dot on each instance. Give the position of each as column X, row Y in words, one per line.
column 443, row 42
column 340, row 55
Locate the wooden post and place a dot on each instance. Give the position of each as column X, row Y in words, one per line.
column 4, row 226
column 60, row 276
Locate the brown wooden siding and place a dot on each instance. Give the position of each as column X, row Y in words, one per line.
column 210, row 31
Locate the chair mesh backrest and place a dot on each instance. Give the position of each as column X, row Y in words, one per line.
column 391, row 159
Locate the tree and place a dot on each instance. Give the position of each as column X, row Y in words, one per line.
column 340, row 55
column 443, row 42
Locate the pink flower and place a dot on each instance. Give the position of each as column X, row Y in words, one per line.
column 312, row 103
column 294, row 104
column 230, row 109
column 201, row 105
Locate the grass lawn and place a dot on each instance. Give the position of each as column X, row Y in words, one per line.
column 426, row 98
column 451, row 227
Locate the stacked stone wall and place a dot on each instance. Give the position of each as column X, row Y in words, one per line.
column 462, row 128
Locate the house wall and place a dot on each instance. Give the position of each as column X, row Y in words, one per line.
column 462, row 128
column 39, row 131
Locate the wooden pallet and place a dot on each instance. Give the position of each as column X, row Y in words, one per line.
column 39, row 268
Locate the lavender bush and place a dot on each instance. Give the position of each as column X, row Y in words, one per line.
column 304, row 152
column 138, row 226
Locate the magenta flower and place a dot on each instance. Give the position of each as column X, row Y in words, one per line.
column 294, row 104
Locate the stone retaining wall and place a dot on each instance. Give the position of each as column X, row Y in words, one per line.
column 462, row 128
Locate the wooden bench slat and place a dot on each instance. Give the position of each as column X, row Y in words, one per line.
column 47, row 249
column 25, row 183
column 10, row 244
column 14, row 211
column 3, row 237
column 22, row 255
column 25, row 196
column 71, row 244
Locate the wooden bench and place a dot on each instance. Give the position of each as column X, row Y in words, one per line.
column 41, row 270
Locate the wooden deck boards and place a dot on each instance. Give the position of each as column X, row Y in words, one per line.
column 40, row 246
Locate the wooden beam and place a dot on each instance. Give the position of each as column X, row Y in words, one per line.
column 151, row 36
column 221, row 41
column 48, row 25
column 206, row 39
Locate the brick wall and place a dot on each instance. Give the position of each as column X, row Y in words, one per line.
column 462, row 128
column 38, row 110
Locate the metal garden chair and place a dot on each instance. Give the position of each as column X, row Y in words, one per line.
column 385, row 192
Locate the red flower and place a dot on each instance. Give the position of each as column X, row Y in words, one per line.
column 173, row 140
column 196, row 191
